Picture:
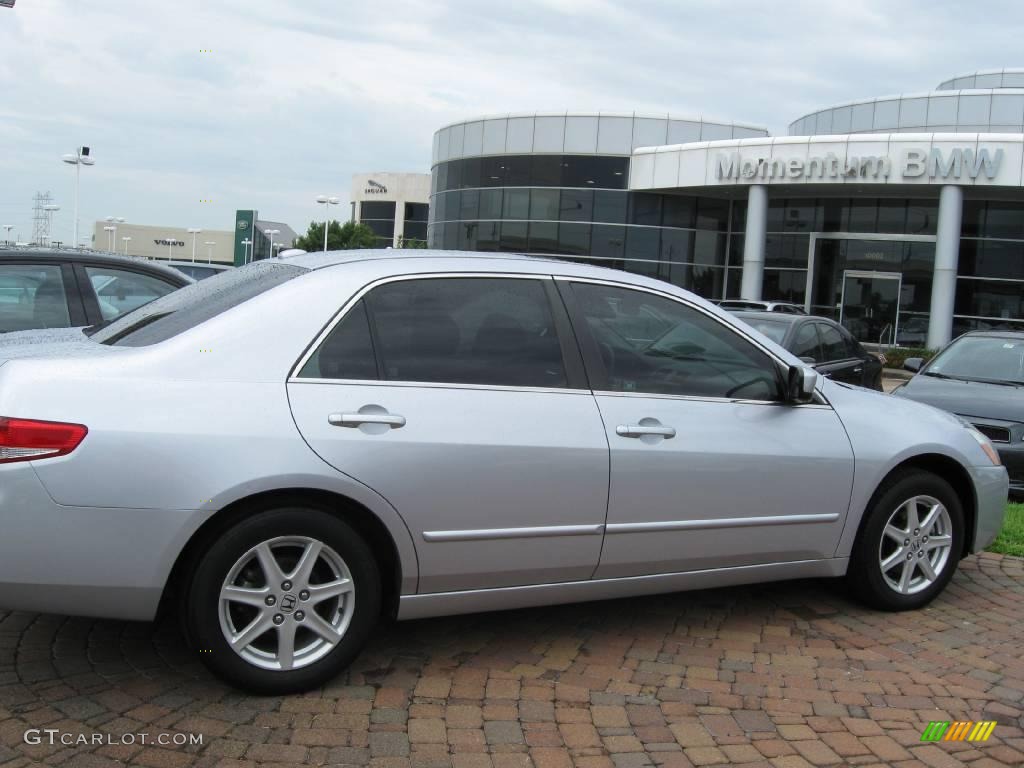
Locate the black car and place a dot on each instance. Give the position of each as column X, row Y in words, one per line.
column 66, row 288
column 823, row 343
column 979, row 377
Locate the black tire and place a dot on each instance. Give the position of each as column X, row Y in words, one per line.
column 865, row 577
column 201, row 609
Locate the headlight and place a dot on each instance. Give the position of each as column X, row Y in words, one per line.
column 985, row 443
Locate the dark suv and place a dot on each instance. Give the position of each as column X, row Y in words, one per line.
column 65, row 288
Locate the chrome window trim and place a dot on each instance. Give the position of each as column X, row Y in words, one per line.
column 293, row 375
column 438, row 385
column 738, row 331
column 530, row 532
column 709, row 399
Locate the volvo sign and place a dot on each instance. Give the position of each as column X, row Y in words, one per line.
column 955, row 164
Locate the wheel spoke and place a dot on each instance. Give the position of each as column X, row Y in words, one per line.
column 245, row 595
column 926, row 568
column 300, row 575
column 271, row 569
column 913, row 521
column 320, row 592
column 895, row 533
column 315, row 622
column 937, row 542
column 931, row 518
column 286, row 644
column 906, row 576
column 256, row 627
column 892, row 559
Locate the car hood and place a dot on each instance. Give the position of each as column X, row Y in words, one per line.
column 967, row 398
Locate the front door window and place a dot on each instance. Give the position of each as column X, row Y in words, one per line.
column 870, row 306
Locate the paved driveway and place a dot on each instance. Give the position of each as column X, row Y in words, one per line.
column 781, row 675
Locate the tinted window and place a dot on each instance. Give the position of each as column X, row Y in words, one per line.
column 467, row 331
column 833, row 346
column 649, row 343
column 119, row 291
column 773, row 330
column 32, row 296
column 194, row 304
column 347, row 353
column 805, row 343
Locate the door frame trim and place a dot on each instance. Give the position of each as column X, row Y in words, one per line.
column 873, row 275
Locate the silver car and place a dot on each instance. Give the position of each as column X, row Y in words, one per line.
column 289, row 450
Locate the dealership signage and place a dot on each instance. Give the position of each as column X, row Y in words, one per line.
column 375, row 188
column 165, row 241
column 953, row 164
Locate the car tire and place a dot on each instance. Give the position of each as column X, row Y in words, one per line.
column 298, row 590
column 897, row 565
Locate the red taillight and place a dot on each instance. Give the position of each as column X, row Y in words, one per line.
column 28, row 439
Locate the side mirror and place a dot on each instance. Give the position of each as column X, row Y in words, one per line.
column 800, row 384
column 913, row 364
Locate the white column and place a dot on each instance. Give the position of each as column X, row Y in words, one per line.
column 753, row 243
column 947, row 256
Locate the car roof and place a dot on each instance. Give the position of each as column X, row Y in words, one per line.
column 321, row 260
column 88, row 255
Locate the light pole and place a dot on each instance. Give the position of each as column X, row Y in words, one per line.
column 49, row 217
column 326, row 202
column 270, row 233
column 209, row 250
column 78, row 159
column 192, row 231
column 110, row 230
column 7, row 233
column 245, row 254
column 113, row 221
column 126, row 239
column 171, row 240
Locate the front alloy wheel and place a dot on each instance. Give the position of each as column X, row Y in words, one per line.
column 910, row 541
column 283, row 601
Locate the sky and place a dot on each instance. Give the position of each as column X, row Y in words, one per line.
column 194, row 108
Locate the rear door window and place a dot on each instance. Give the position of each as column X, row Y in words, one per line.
column 32, row 296
column 833, row 345
column 805, row 343
column 119, row 291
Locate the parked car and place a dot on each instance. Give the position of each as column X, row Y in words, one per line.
column 979, row 377
column 820, row 342
column 198, row 270
column 784, row 307
column 65, row 288
column 438, row 433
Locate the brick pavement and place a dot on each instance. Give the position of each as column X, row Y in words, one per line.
column 784, row 676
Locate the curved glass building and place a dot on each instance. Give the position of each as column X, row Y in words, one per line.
column 902, row 216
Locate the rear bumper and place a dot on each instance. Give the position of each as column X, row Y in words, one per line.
column 991, row 485
column 84, row 561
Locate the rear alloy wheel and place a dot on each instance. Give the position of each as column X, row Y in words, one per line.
column 910, row 544
column 283, row 601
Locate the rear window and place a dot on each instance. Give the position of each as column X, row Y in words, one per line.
column 773, row 329
column 194, row 304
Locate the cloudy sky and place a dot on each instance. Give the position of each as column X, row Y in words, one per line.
column 297, row 95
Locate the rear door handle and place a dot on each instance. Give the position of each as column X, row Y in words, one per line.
column 639, row 430
column 393, row 420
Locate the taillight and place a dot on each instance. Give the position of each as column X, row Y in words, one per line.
column 28, row 439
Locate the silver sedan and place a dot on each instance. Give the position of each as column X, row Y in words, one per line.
column 288, row 451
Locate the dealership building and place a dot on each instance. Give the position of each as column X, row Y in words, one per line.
column 393, row 205
column 900, row 216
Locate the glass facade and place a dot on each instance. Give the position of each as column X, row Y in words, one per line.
column 379, row 215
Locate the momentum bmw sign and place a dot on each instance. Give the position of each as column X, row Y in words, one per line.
column 912, row 163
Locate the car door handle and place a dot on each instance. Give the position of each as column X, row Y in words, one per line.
column 639, row 430
column 393, row 420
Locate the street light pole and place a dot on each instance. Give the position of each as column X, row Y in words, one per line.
column 170, row 241
column 78, row 159
column 7, row 233
column 270, row 233
column 326, row 202
column 194, row 232
column 245, row 254
column 110, row 230
column 209, row 250
column 49, row 218
column 125, row 240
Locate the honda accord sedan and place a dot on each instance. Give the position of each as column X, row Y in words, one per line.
column 288, row 451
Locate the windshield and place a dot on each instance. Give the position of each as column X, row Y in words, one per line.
column 194, row 304
column 981, row 358
column 773, row 329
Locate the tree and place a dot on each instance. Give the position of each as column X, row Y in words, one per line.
column 411, row 242
column 340, row 237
